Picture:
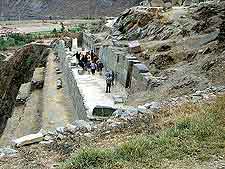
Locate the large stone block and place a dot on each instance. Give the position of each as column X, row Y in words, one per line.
column 29, row 139
column 23, row 94
column 141, row 68
column 103, row 111
column 38, row 78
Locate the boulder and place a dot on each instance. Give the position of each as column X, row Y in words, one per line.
column 82, row 125
column 7, row 152
column 38, row 78
column 71, row 128
column 134, row 47
column 140, row 68
column 60, row 130
column 104, row 111
column 153, row 106
column 187, row 3
column 29, row 139
column 118, row 113
column 118, row 99
column 142, row 109
column 24, row 93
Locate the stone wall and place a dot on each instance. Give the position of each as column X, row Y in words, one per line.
column 77, row 99
column 128, row 70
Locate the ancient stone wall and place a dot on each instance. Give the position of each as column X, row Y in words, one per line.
column 77, row 99
column 128, row 70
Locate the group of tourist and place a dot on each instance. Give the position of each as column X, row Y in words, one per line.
column 89, row 61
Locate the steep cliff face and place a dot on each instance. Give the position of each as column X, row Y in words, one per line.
column 17, row 70
column 64, row 8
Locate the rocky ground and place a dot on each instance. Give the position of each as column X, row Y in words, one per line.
column 148, row 119
column 183, row 48
column 184, row 51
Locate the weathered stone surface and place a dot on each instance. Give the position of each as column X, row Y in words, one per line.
column 118, row 112
column 157, row 3
column 29, row 139
column 118, row 99
column 141, row 68
column 134, row 47
column 7, row 152
column 46, row 142
column 142, row 109
column 60, row 130
column 24, row 93
column 81, row 124
column 153, row 106
column 18, row 69
column 89, row 135
column 38, row 78
column 104, row 111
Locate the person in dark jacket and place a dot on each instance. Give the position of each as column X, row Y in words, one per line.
column 113, row 77
column 108, row 76
column 93, row 67
column 77, row 56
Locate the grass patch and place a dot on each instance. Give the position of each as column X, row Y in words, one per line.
column 18, row 39
column 15, row 40
column 198, row 132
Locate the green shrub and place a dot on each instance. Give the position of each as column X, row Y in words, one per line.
column 90, row 158
column 200, row 136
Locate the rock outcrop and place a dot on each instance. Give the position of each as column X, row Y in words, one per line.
column 15, row 71
column 183, row 47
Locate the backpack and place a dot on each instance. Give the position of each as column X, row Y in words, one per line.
column 109, row 79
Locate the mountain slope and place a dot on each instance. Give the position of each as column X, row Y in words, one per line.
column 13, row 9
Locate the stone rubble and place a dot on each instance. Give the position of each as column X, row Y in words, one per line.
column 121, row 118
column 7, row 152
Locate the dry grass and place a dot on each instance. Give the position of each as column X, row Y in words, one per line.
column 186, row 132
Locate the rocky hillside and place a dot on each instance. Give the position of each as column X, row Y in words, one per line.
column 58, row 8
column 12, row 75
column 183, row 48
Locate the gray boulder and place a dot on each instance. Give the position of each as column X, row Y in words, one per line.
column 81, row 125
column 103, row 111
column 7, row 152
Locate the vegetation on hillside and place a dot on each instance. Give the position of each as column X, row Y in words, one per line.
column 188, row 132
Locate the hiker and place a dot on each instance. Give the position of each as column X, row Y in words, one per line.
column 93, row 67
column 78, row 56
column 88, row 66
column 113, row 77
column 92, row 55
column 108, row 76
column 100, row 66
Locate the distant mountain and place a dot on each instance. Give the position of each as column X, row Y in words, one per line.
column 28, row 9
